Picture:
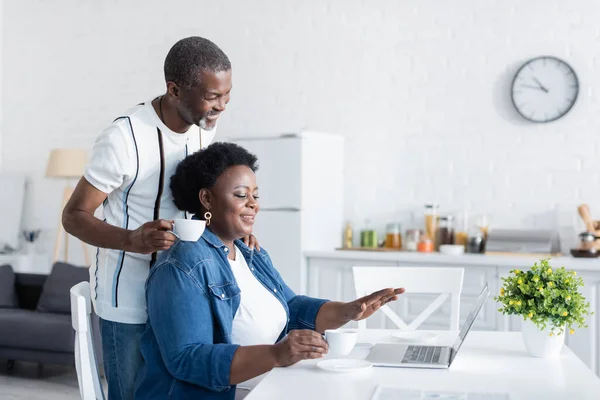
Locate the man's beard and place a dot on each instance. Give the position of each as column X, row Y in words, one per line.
column 203, row 124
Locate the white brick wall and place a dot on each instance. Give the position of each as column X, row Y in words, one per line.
column 419, row 88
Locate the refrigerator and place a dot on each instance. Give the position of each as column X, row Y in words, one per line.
column 300, row 181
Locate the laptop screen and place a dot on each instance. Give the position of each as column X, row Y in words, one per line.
column 466, row 326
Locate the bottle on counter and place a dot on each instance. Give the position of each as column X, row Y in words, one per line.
column 431, row 210
column 348, row 236
column 393, row 236
column 462, row 231
column 445, row 231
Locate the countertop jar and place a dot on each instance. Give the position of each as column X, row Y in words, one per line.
column 393, row 236
column 425, row 245
column 475, row 242
column 445, row 231
column 411, row 239
column 368, row 238
column 430, row 220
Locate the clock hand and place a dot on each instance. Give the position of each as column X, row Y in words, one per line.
column 541, row 86
column 534, row 87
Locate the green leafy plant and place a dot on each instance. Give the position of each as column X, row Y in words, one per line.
column 546, row 296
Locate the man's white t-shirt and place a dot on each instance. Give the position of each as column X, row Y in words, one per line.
column 133, row 161
column 260, row 318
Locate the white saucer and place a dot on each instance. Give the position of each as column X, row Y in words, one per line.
column 414, row 336
column 344, row 365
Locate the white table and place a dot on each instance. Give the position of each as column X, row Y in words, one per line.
column 487, row 362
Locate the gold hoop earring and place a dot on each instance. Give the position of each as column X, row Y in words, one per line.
column 207, row 217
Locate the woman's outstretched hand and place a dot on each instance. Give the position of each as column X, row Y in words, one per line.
column 365, row 306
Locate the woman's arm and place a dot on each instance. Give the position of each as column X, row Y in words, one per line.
column 252, row 361
column 332, row 315
column 181, row 318
column 320, row 315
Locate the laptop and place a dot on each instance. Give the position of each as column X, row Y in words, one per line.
column 420, row 356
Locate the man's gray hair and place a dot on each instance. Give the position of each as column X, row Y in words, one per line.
column 189, row 56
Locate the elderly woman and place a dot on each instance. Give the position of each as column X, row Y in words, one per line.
column 219, row 313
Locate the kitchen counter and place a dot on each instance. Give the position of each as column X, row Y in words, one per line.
column 328, row 274
column 516, row 261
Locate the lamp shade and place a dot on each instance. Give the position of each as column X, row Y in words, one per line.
column 66, row 163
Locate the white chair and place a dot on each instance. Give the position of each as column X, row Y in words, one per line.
column 445, row 281
column 90, row 387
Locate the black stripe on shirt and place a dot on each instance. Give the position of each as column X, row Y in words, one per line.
column 161, row 182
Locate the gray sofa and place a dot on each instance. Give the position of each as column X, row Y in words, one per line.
column 35, row 316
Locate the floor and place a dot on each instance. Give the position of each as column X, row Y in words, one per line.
column 24, row 383
column 56, row 383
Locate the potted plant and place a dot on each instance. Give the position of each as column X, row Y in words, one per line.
column 550, row 303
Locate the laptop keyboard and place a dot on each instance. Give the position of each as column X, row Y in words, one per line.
column 422, row 355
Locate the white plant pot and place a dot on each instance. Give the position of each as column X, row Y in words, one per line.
column 539, row 343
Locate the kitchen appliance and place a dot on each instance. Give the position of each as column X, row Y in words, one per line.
column 300, row 181
column 523, row 241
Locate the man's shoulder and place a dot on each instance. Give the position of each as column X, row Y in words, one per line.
column 123, row 124
column 135, row 115
column 129, row 126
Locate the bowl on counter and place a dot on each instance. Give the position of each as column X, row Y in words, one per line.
column 452, row 249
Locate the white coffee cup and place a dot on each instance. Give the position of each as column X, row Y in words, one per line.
column 340, row 342
column 188, row 230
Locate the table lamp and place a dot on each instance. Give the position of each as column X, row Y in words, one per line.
column 66, row 164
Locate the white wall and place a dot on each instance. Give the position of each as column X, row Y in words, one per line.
column 1, row 72
column 419, row 88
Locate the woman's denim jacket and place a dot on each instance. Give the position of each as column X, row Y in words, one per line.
column 192, row 297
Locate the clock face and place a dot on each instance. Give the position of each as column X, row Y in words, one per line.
column 544, row 89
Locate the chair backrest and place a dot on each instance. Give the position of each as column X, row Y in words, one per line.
column 90, row 387
column 428, row 280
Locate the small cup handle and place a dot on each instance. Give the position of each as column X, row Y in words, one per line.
column 174, row 234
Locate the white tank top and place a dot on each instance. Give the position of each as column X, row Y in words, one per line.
column 260, row 318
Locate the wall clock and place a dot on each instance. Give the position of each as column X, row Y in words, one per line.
column 544, row 89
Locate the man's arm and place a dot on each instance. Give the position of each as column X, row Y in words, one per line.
column 78, row 219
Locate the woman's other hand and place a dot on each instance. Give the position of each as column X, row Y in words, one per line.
column 251, row 242
column 301, row 344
